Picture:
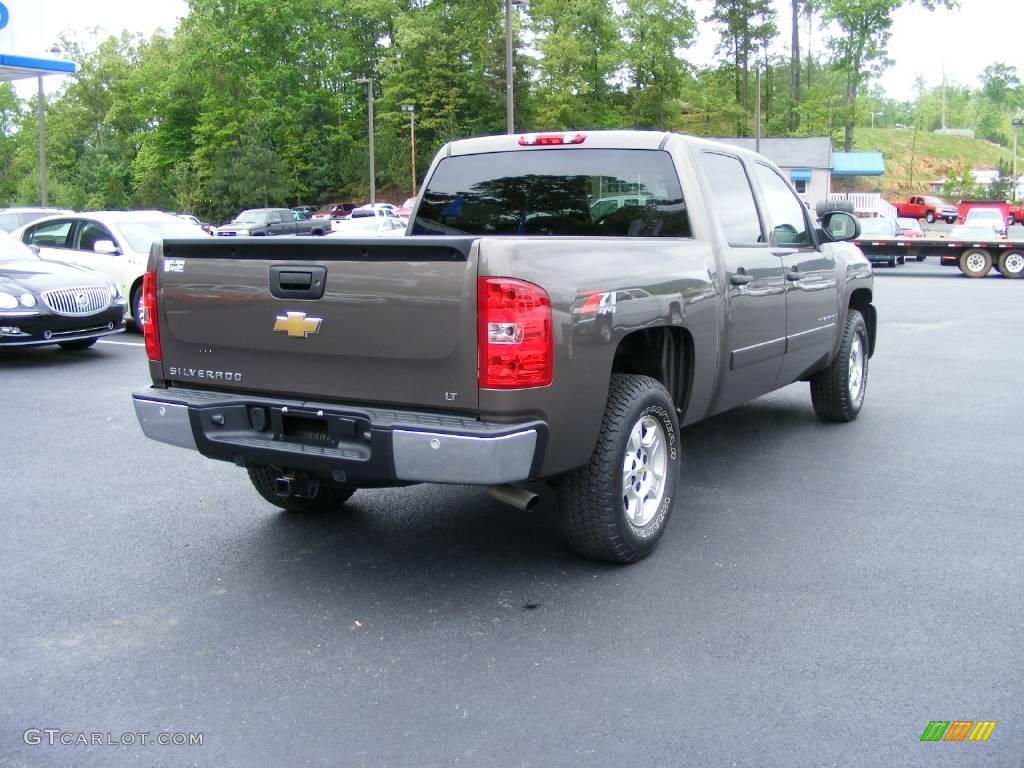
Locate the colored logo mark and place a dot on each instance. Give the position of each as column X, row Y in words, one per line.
column 958, row 730
column 5, row 16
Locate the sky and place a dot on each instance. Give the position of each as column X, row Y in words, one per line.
column 962, row 42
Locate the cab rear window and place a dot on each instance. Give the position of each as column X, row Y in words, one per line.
column 561, row 192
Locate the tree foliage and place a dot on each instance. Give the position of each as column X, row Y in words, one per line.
column 253, row 102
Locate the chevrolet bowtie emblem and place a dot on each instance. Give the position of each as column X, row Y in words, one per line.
column 297, row 325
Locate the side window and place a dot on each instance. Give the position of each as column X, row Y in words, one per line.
column 733, row 198
column 50, row 234
column 785, row 211
column 89, row 233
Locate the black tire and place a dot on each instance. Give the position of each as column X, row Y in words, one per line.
column 975, row 262
column 920, row 257
column 137, row 307
column 929, row 217
column 1011, row 264
column 833, row 393
column 593, row 498
column 330, row 497
column 894, row 260
column 1011, row 220
column 76, row 346
column 950, row 219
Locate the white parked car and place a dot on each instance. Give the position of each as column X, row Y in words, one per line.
column 12, row 218
column 115, row 243
column 370, row 226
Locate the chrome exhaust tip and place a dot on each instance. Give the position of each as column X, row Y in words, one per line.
column 514, row 496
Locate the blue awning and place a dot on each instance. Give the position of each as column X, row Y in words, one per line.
column 799, row 174
column 857, row 164
column 18, row 67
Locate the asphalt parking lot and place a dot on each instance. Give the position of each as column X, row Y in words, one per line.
column 823, row 592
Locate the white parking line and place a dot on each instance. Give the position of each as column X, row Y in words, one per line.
column 123, row 343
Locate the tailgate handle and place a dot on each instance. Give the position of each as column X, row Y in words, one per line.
column 297, row 282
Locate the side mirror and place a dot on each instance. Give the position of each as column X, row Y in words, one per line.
column 107, row 247
column 840, row 225
column 34, row 248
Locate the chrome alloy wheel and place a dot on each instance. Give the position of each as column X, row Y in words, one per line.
column 1014, row 262
column 643, row 471
column 857, row 362
column 975, row 262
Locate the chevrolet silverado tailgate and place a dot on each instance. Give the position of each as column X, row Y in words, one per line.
column 375, row 321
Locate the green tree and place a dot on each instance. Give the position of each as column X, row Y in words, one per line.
column 655, row 32
column 580, row 52
column 861, row 48
column 745, row 26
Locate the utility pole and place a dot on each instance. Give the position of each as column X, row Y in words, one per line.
column 369, row 99
column 42, row 144
column 510, row 106
column 757, row 109
column 943, row 95
column 1017, row 122
column 411, row 110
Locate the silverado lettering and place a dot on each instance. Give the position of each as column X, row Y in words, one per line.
column 585, row 294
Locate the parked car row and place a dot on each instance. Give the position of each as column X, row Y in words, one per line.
column 46, row 302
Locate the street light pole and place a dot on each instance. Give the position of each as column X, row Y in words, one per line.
column 369, row 101
column 411, row 109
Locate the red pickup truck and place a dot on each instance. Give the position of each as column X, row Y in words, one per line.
column 1014, row 213
column 927, row 208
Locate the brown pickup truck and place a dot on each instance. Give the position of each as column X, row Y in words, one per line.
column 518, row 333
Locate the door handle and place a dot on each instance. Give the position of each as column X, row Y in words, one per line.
column 794, row 274
column 781, row 252
column 298, row 282
column 740, row 278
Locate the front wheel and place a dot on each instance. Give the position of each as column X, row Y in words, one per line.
column 950, row 219
column 329, row 498
column 837, row 392
column 616, row 506
column 929, row 217
column 137, row 308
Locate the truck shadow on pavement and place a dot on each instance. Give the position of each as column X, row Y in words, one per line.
column 423, row 533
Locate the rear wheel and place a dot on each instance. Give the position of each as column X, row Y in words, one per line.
column 616, row 507
column 75, row 346
column 837, row 393
column 1011, row 220
column 329, row 498
column 1011, row 264
column 975, row 262
column 929, row 217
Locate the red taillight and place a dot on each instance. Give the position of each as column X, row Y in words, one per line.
column 514, row 334
column 550, row 139
column 150, row 325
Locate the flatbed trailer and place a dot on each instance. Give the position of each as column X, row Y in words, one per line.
column 975, row 258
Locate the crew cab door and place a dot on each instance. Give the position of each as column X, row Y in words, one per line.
column 812, row 289
column 756, row 333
